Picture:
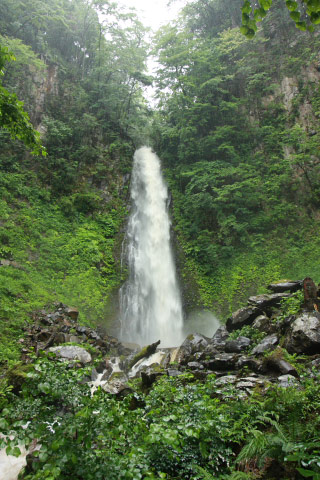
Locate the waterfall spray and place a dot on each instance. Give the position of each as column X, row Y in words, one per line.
column 150, row 305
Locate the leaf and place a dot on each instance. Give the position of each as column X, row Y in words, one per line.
column 291, row 5
column 250, row 33
column 246, row 7
column 315, row 18
column 302, row 26
column 245, row 18
column 16, row 452
column 306, row 473
column 295, row 16
column 313, row 5
column 44, row 387
column 244, row 30
column 265, row 4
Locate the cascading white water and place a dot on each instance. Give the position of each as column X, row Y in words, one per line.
column 150, row 305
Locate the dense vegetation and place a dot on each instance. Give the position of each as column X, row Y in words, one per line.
column 79, row 68
column 181, row 429
column 237, row 128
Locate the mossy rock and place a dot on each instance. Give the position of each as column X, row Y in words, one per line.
column 145, row 352
column 18, row 374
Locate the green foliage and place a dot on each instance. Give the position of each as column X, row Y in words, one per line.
column 253, row 12
column 248, row 331
column 242, row 166
column 184, row 429
column 12, row 115
column 57, row 256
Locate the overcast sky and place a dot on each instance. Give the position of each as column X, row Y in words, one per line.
column 154, row 13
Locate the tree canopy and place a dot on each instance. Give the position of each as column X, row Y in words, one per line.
column 304, row 13
column 13, row 117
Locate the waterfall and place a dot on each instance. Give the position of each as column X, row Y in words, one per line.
column 150, row 304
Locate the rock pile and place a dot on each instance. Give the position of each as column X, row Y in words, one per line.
column 243, row 362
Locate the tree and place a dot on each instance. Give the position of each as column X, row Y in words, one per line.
column 12, row 115
column 304, row 13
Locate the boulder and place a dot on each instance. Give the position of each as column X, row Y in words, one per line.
column 268, row 343
column 73, row 313
column 43, row 336
column 59, row 338
column 226, row 380
column 117, row 384
column 222, row 361
column 304, row 334
column 282, row 287
column 286, row 381
column 82, row 330
column 150, row 374
column 195, row 342
column 173, row 372
column 221, row 334
column 249, row 362
column 243, row 316
column 276, row 361
column 267, row 301
column 144, row 353
column 310, row 293
column 237, row 345
column 195, row 366
column 262, row 323
column 72, row 353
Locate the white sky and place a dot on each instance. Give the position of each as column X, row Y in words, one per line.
column 154, row 13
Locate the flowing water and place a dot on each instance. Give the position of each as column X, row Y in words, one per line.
column 150, row 304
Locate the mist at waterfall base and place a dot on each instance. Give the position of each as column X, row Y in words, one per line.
column 201, row 321
column 150, row 301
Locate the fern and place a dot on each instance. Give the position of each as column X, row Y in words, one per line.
column 240, row 476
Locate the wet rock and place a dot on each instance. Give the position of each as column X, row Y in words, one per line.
column 74, row 339
column 226, row 380
column 81, row 330
column 55, row 317
column 117, row 384
column 43, row 336
column 237, row 345
column 282, row 287
column 219, row 339
column 195, row 366
column 210, row 352
column 150, row 374
column 286, row 381
column 267, row 301
column 222, row 361
column 47, row 321
column 72, row 353
column 315, row 363
column 94, row 375
column 261, row 323
column 304, row 334
column 94, row 335
column 144, row 353
column 195, row 342
column 243, row 316
column 310, row 292
column 246, row 384
column 282, row 366
column 268, row 343
column 173, row 372
column 249, row 362
column 72, row 313
column 65, row 328
column 59, row 338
